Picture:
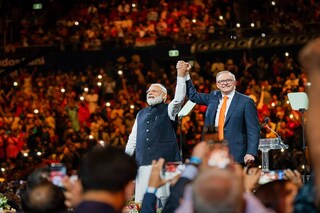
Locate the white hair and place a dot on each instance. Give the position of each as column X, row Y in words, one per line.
column 226, row 72
column 164, row 90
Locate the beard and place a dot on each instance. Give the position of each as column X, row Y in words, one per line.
column 155, row 100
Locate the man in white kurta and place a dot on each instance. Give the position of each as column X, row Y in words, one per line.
column 153, row 134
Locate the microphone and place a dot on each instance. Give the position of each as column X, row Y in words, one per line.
column 265, row 123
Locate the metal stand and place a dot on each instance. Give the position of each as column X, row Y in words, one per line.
column 299, row 101
column 304, row 147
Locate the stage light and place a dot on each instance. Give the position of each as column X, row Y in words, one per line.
column 81, row 98
column 99, row 84
column 99, row 76
column 76, row 23
column 286, row 54
column 131, row 106
column 39, row 153
column 15, row 83
column 86, row 89
column 36, row 111
column 62, row 90
column 90, row 137
column 194, row 20
column 263, row 35
column 238, row 25
column 221, row 17
column 108, row 104
column 273, row 3
column 252, row 24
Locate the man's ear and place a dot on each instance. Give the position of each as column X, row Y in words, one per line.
column 164, row 97
column 218, row 86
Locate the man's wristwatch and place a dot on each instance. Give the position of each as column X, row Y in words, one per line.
column 152, row 190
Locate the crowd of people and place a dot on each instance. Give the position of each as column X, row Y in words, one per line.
column 98, row 24
column 51, row 114
column 58, row 116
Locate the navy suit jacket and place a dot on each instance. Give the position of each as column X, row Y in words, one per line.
column 241, row 128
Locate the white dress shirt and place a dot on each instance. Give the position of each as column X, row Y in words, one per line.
column 230, row 97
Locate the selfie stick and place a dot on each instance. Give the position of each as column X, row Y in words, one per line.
column 299, row 101
column 186, row 109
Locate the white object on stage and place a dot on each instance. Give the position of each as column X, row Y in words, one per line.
column 298, row 100
column 186, row 109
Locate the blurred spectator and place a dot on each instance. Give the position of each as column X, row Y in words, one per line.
column 278, row 195
column 43, row 198
column 107, row 176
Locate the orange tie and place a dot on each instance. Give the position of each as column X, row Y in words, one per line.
column 222, row 118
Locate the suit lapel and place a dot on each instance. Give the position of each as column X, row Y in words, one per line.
column 233, row 106
column 212, row 108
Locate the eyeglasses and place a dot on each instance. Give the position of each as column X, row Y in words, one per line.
column 225, row 81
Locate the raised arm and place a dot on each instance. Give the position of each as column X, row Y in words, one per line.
column 180, row 92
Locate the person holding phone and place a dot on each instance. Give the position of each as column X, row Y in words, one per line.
column 153, row 133
column 233, row 115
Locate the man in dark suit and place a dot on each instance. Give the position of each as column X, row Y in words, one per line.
column 241, row 125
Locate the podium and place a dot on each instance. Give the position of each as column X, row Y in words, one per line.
column 265, row 145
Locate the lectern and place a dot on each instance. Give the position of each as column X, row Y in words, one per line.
column 265, row 145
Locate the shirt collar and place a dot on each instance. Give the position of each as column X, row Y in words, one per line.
column 230, row 95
